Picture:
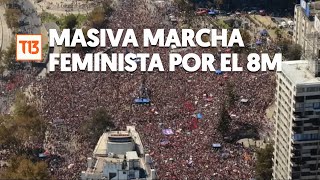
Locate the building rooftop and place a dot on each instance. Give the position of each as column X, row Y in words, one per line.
column 112, row 154
column 101, row 147
column 132, row 155
column 298, row 72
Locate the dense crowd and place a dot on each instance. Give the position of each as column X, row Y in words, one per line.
column 67, row 100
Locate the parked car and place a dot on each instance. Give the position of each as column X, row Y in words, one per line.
column 283, row 24
column 222, row 13
column 253, row 12
column 202, row 11
column 262, row 12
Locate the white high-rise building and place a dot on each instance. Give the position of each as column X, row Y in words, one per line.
column 297, row 122
column 306, row 27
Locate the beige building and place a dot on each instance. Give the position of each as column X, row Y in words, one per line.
column 119, row 155
column 307, row 27
column 297, row 122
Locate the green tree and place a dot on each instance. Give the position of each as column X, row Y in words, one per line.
column 22, row 168
column 231, row 95
column 290, row 51
column 48, row 17
column 8, row 60
column 12, row 18
column 264, row 163
column 7, row 138
column 246, row 37
column 70, row 21
column 107, row 7
column 99, row 123
column 97, row 18
column 25, row 124
column 278, row 33
column 294, row 52
column 29, row 124
column 23, row 108
column 224, row 120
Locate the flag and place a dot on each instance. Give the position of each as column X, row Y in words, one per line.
column 194, row 123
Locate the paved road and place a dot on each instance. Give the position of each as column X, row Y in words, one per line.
column 5, row 32
column 30, row 17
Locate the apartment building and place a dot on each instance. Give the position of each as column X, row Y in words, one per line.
column 297, row 122
column 307, row 27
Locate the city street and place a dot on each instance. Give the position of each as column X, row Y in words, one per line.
column 5, row 32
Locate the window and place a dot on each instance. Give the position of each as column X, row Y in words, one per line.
column 304, row 137
column 308, row 105
column 313, row 89
column 299, row 98
column 300, row 105
column 313, row 97
column 300, row 90
column 316, row 105
column 309, row 113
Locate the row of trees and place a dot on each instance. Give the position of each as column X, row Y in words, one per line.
column 224, row 118
column 8, row 57
column 12, row 18
column 23, row 127
column 264, row 162
column 263, row 167
column 21, row 167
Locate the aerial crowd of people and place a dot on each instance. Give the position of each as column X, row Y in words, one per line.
column 67, row 100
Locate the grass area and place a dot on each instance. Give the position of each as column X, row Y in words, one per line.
column 81, row 19
column 48, row 17
column 45, row 50
column 222, row 24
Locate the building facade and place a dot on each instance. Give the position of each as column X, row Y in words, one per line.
column 307, row 27
column 119, row 155
column 297, row 122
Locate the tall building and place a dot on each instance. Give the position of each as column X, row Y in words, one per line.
column 306, row 29
column 297, row 123
column 119, row 155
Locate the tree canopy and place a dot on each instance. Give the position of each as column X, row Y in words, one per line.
column 264, row 163
column 231, row 95
column 70, row 21
column 99, row 15
column 24, row 126
column 23, row 168
column 290, row 51
column 8, row 57
column 100, row 122
column 12, row 18
column 224, row 120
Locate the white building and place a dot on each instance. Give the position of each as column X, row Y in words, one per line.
column 306, row 24
column 119, row 155
column 297, row 122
